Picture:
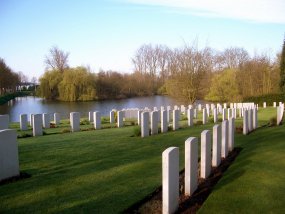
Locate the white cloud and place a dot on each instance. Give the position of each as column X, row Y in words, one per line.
column 264, row 11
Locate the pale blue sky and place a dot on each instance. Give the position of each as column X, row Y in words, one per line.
column 106, row 34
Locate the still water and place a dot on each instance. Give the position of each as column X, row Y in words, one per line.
column 35, row 105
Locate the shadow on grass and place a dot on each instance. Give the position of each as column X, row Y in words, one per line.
column 153, row 202
column 23, row 175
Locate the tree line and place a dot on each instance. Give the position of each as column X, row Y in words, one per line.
column 9, row 79
column 186, row 73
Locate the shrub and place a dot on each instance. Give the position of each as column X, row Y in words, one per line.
column 66, row 130
column 85, row 122
column 273, row 121
column 268, row 98
column 199, row 122
column 137, row 131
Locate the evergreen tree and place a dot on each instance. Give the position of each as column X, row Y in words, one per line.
column 282, row 69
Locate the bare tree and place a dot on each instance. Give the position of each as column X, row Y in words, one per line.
column 57, row 59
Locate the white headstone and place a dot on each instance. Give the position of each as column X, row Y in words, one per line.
column 56, row 118
column 31, row 120
column 230, row 113
column 154, row 122
column 75, row 121
column 97, row 119
column 170, row 180
column 112, row 116
column 215, row 114
column 9, row 160
column 255, row 119
column 264, row 104
column 245, row 122
column 216, row 153
column 120, row 116
column 224, row 114
column 191, row 165
column 37, row 125
column 195, row 113
column 4, row 121
column 163, row 123
column 250, row 119
column 205, row 169
column 23, row 122
column 225, row 128
column 204, row 116
column 231, row 141
column 46, row 121
column 274, row 104
column 145, row 124
column 175, row 124
column 139, row 117
column 90, row 116
column 190, row 115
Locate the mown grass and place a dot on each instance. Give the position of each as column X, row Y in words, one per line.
column 254, row 183
column 98, row 171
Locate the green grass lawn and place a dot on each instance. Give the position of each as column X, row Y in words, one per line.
column 108, row 170
column 254, row 183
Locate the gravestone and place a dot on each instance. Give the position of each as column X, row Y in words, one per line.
column 112, row 117
column 90, row 116
column 120, row 116
column 169, row 115
column 190, row 115
column 170, row 180
column 224, row 114
column 255, row 119
column 75, row 121
column 204, row 116
column 154, row 122
column 231, row 140
column 37, row 125
column 23, row 122
column 249, row 112
column 163, row 123
column 264, row 104
column 245, row 122
column 145, row 124
column 216, row 154
column 56, row 118
column 4, row 121
column 46, row 121
column 9, row 160
column 97, row 119
column 195, row 113
column 31, row 120
column 215, row 113
column 230, row 113
column 191, row 165
column 225, row 128
column 274, row 104
column 175, row 124
column 205, row 162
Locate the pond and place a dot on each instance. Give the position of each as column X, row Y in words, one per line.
column 36, row 105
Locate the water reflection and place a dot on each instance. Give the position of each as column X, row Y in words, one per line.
column 34, row 105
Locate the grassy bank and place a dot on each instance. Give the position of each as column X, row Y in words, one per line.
column 100, row 171
column 254, row 183
column 7, row 97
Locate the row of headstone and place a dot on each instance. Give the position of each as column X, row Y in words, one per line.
column 213, row 149
column 250, row 120
column 280, row 113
